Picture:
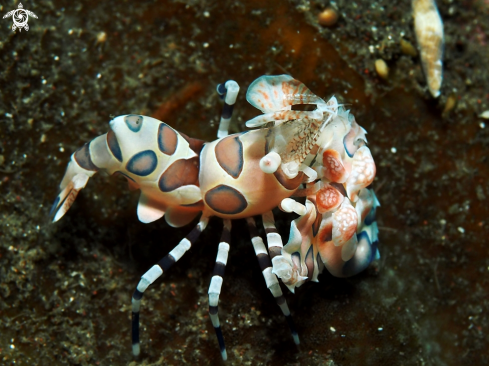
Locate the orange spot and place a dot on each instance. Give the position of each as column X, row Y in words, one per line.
column 334, row 169
column 328, row 198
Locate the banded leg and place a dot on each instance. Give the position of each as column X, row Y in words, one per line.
column 274, row 240
column 229, row 92
column 270, row 278
column 156, row 271
column 216, row 284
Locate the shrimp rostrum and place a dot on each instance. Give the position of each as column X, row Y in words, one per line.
column 315, row 163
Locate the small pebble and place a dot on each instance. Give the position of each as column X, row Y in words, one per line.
column 101, row 37
column 407, row 48
column 450, row 103
column 381, row 68
column 328, row 17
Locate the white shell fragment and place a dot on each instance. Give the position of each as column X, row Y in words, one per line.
column 428, row 27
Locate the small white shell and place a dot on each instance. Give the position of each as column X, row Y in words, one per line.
column 428, row 27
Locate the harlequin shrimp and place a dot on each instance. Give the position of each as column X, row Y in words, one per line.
column 319, row 157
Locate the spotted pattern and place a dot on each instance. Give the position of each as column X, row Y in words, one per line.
column 167, row 139
column 328, row 198
column 134, row 122
column 143, row 163
column 334, row 169
column 226, row 200
column 82, row 157
column 229, row 155
column 345, row 222
column 113, row 145
column 181, row 173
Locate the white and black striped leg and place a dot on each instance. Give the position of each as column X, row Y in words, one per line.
column 274, row 240
column 229, row 92
column 216, row 284
column 270, row 278
column 156, row 271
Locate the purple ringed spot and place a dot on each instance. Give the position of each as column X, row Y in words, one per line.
column 167, row 139
column 229, row 155
column 181, row 173
column 113, row 145
column 143, row 163
column 82, row 157
column 226, row 200
column 134, row 122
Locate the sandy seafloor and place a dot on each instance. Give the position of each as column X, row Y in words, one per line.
column 65, row 288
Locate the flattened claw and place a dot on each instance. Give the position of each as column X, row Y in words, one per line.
column 276, row 93
column 345, row 223
column 294, row 266
column 362, row 172
column 328, row 198
column 333, row 168
column 283, row 116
